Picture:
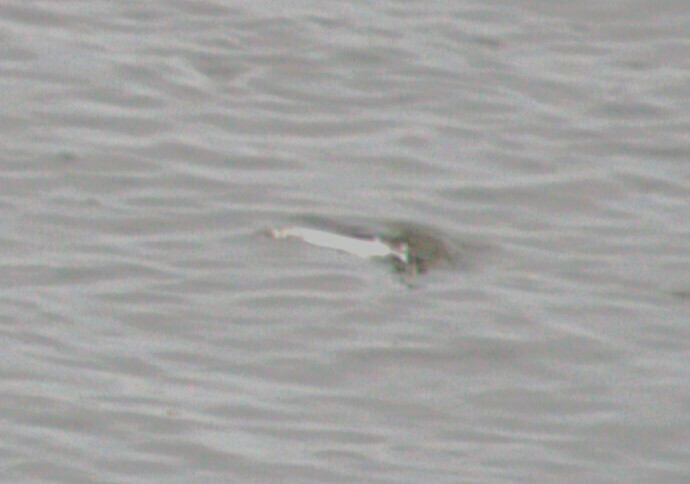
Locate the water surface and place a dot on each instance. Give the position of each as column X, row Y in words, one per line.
column 150, row 333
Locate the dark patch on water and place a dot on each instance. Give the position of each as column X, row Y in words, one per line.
column 426, row 248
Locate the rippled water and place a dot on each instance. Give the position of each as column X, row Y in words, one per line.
column 151, row 332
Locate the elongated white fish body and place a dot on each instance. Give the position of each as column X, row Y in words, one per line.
column 364, row 248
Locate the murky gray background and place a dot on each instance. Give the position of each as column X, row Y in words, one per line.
column 149, row 332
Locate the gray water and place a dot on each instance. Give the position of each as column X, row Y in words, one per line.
column 150, row 332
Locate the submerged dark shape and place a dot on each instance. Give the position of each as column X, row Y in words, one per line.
column 425, row 248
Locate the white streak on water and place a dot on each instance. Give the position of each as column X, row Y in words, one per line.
column 364, row 248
